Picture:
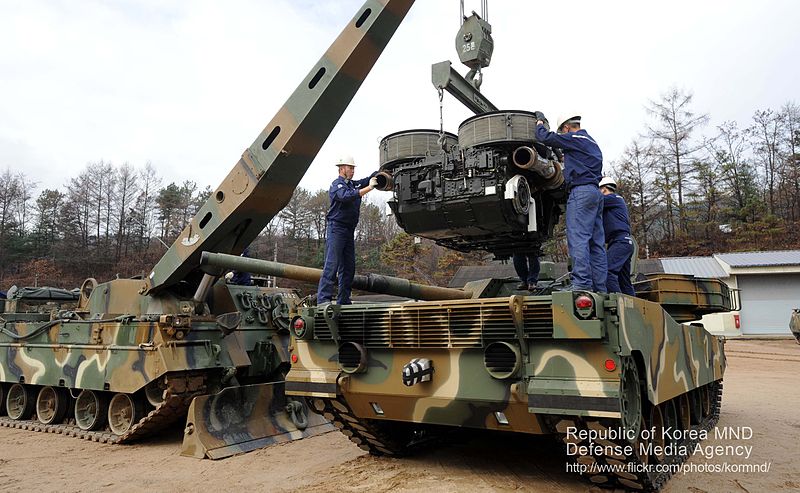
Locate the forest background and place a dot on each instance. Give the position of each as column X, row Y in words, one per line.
column 693, row 187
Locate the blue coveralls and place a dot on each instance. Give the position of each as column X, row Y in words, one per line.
column 617, row 226
column 583, row 167
column 242, row 278
column 340, row 250
column 527, row 268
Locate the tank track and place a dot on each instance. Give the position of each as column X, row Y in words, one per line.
column 642, row 481
column 377, row 439
column 180, row 391
column 370, row 435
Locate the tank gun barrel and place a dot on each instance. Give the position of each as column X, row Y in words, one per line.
column 373, row 283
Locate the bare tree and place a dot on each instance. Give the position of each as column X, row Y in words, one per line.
column 675, row 123
column 318, row 208
column 145, row 206
column 765, row 132
column 790, row 112
column 127, row 188
column 634, row 173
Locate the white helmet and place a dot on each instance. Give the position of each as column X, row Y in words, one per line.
column 346, row 161
column 567, row 118
column 609, row 183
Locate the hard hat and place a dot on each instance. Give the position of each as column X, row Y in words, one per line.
column 346, row 161
column 567, row 118
column 609, row 183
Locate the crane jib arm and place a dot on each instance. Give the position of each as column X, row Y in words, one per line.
column 263, row 180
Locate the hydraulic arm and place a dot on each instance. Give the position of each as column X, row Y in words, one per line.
column 263, row 180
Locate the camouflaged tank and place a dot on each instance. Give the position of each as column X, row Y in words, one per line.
column 136, row 355
column 120, row 369
column 566, row 363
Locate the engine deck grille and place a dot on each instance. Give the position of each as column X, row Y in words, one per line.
column 438, row 324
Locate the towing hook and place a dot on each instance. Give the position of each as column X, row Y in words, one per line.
column 298, row 414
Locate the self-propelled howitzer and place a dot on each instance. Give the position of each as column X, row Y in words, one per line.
column 131, row 355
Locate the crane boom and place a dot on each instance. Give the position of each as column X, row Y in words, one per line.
column 264, row 179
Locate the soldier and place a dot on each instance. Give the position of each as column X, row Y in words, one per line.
column 241, row 278
column 340, row 253
column 583, row 167
column 617, row 227
column 527, row 267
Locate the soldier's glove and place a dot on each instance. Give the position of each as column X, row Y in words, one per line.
column 373, row 182
column 540, row 116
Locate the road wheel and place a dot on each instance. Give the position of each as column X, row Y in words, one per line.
column 51, row 405
column 684, row 409
column 124, row 411
column 154, row 392
column 705, row 400
column 670, row 414
column 21, row 401
column 656, row 424
column 90, row 410
column 630, row 394
column 695, row 406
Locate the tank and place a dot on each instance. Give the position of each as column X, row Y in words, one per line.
column 615, row 378
column 122, row 360
column 794, row 324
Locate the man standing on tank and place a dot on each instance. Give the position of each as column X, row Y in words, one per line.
column 527, row 268
column 340, row 252
column 583, row 168
column 617, row 227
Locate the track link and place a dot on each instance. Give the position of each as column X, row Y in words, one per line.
column 393, row 439
column 180, row 391
column 377, row 438
column 642, row 481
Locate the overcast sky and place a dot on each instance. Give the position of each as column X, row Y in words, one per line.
column 189, row 84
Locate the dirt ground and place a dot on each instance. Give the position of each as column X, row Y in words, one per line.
column 760, row 392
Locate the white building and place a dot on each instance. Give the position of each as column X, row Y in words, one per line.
column 768, row 283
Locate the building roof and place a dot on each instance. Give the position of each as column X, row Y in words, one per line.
column 760, row 259
column 696, row 266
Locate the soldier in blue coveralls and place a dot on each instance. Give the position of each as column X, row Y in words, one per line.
column 340, row 252
column 617, row 227
column 583, row 167
column 527, row 268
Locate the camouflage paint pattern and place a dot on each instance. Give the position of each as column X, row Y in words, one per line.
column 128, row 348
column 568, row 364
column 688, row 298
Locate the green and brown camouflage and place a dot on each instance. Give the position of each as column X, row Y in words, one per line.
column 564, row 371
column 133, row 344
column 143, row 348
column 514, row 363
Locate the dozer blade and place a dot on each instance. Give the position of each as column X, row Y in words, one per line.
column 245, row 418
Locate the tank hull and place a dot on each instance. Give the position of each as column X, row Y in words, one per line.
column 530, row 365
